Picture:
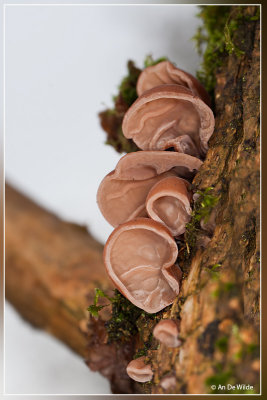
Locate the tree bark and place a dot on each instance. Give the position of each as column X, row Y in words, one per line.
column 218, row 307
column 53, row 267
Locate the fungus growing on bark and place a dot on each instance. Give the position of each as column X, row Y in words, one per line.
column 168, row 202
column 122, row 193
column 139, row 371
column 140, row 257
column 166, row 73
column 166, row 331
column 169, row 116
column 168, row 382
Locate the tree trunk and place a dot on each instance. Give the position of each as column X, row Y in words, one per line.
column 218, row 307
column 53, row 267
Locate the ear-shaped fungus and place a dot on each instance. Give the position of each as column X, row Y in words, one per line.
column 166, row 331
column 122, row 193
column 169, row 116
column 166, row 73
column 139, row 257
column 139, row 371
column 168, row 202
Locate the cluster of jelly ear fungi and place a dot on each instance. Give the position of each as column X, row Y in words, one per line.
column 147, row 197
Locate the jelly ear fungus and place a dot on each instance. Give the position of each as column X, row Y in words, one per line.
column 140, row 258
column 170, row 116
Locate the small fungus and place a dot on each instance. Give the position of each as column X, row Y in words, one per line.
column 166, row 331
column 122, row 193
column 166, row 73
column 168, row 382
column 139, row 371
column 169, row 116
column 168, row 202
column 140, row 257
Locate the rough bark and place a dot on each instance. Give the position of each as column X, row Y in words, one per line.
column 52, row 268
column 218, row 307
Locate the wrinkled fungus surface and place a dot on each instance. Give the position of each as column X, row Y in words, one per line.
column 166, row 331
column 169, row 116
column 139, row 371
column 140, row 259
column 122, row 193
column 166, row 73
column 168, row 202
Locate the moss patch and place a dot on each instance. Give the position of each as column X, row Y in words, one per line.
column 111, row 118
column 210, row 42
column 216, row 37
column 123, row 324
column 202, row 209
column 149, row 61
column 222, row 344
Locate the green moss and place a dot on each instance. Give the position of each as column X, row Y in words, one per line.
column 238, row 355
column 111, row 118
column 146, row 387
column 127, row 87
column 95, row 307
column 222, row 344
column 228, row 286
column 225, row 289
column 149, row 61
column 140, row 353
column 229, row 29
column 235, row 331
column 120, row 143
column 220, row 378
column 251, row 350
column 216, row 293
column 202, row 209
column 123, row 323
column 145, row 325
column 255, row 17
column 214, row 271
column 252, row 347
column 215, row 38
column 144, row 349
column 210, row 42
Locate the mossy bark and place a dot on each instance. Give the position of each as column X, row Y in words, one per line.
column 218, row 307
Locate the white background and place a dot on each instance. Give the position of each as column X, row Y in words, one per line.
column 63, row 65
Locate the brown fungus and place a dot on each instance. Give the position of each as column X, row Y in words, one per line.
column 168, row 202
column 166, row 331
column 122, row 193
column 170, row 116
column 139, row 371
column 166, row 73
column 140, row 257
